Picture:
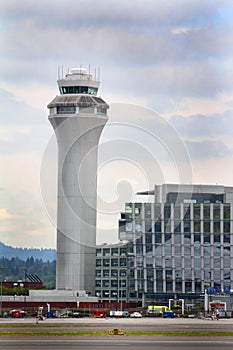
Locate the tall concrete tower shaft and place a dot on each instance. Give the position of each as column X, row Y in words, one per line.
column 78, row 118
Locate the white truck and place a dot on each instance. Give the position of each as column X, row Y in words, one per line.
column 116, row 313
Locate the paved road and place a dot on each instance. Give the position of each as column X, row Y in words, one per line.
column 116, row 342
column 144, row 323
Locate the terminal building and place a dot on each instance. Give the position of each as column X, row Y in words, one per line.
column 177, row 246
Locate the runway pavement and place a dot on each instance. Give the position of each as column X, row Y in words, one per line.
column 112, row 343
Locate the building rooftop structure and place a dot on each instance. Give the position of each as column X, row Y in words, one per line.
column 190, row 193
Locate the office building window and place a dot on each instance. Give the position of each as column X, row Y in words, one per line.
column 114, row 262
column 148, row 248
column 138, row 210
column 114, row 283
column 105, row 293
column 98, row 262
column 114, row 294
column 98, row 283
column 158, row 238
column 196, row 212
column 177, row 212
column 177, row 227
column 123, row 273
column 216, row 211
column 197, row 226
column 147, row 210
column 226, row 238
column 106, row 262
column 206, row 237
column 206, row 212
column 167, row 212
column 187, row 226
column 114, row 251
column 177, row 238
column 186, row 212
column 217, row 238
column 226, row 212
column 122, row 261
column 206, row 226
column 157, row 211
column 98, row 273
column 148, row 226
column 106, row 252
column 197, row 238
column 114, row 273
column 123, row 251
column 106, row 273
column 226, row 226
column 98, row 252
column 106, row 283
column 158, row 226
column 216, row 226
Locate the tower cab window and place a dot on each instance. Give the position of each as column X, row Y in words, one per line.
column 78, row 90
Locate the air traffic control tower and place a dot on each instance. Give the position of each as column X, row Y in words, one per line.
column 78, row 117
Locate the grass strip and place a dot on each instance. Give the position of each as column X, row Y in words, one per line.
column 184, row 333
column 54, row 333
column 62, row 332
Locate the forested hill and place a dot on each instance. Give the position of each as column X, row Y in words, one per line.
column 24, row 253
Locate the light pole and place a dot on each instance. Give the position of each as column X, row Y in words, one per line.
column 25, row 279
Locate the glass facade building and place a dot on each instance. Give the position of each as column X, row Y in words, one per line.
column 179, row 246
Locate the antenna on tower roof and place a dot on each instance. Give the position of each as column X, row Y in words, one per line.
column 98, row 78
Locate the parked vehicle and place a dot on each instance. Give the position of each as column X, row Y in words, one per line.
column 160, row 310
column 99, row 313
column 117, row 313
column 136, row 315
column 17, row 313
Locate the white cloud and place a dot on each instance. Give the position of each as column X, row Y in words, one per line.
column 215, row 125
column 183, row 30
column 5, row 215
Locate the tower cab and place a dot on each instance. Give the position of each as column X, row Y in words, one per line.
column 78, row 95
column 78, row 81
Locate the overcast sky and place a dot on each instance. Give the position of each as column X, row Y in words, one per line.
column 167, row 74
